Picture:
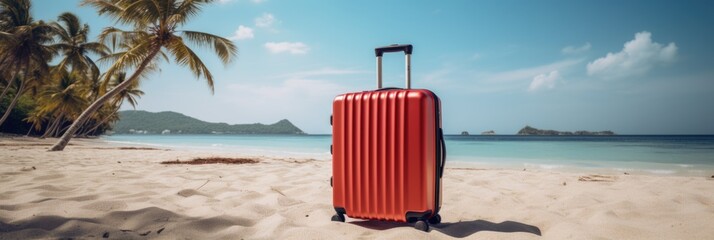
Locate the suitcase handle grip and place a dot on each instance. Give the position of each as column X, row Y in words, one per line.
column 407, row 49
column 442, row 142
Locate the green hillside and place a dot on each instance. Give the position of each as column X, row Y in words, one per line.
column 143, row 122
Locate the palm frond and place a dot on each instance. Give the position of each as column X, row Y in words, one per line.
column 141, row 12
column 164, row 56
column 186, row 10
column 183, row 55
column 17, row 13
column 71, row 22
column 110, row 58
column 224, row 48
column 96, row 48
column 131, row 58
column 7, row 38
column 61, row 46
column 62, row 33
column 104, row 7
column 119, row 38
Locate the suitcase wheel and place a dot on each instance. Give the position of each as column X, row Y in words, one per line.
column 436, row 219
column 338, row 218
column 422, row 225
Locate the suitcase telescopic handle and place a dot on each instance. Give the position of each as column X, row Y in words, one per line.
column 407, row 49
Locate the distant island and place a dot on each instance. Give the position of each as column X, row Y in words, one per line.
column 489, row 132
column 528, row 130
column 143, row 122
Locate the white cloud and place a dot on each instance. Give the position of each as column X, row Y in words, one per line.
column 544, row 81
column 308, row 96
column 307, row 103
column 576, row 50
column 265, row 21
column 437, row 76
column 243, row 32
column 636, row 58
column 479, row 81
column 527, row 73
column 290, row 90
column 290, row 47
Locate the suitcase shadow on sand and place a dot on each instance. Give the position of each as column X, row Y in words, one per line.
column 459, row 229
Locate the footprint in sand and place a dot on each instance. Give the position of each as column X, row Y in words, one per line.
column 218, row 223
column 53, row 188
column 261, row 209
column 286, row 201
column 48, row 177
column 283, row 199
column 190, row 192
column 251, row 195
column 12, row 207
column 42, row 200
column 83, row 198
column 597, row 178
column 105, row 206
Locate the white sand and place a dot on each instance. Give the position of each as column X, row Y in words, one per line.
column 93, row 189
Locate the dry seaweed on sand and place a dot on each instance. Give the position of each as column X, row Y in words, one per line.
column 138, row 148
column 597, row 178
column 214, row 160
column 126, row 148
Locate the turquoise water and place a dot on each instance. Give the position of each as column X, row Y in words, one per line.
column 680, row 155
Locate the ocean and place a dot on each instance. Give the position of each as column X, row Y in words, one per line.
column 691, row 155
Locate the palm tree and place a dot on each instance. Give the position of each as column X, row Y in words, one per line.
column 23, row 47
column 129, row 94
column 36, row 118
column 12, row 15
column 64, row 99
column 75, row 48
column 156, row 24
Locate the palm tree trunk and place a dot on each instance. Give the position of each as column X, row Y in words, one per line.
column 51, row 129
column 10, row 82
column 9, row 85
column 101, row 122
column 59, row 128
column 81, row 128
column 62, row 142
column 94, row 128
column 28, row 132
column 47, row 127
column 14, row 101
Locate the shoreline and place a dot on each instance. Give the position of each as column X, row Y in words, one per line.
column 665, row 169
column 636, row 168
column 95, row 188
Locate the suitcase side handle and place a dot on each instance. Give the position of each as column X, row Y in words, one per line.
column 442, row 143
column 407, row 49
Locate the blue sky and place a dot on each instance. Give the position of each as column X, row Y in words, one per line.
column 634, row 67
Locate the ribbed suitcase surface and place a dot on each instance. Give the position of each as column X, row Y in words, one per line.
column 385, row 154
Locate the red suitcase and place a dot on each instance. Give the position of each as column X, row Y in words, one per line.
column 388, row 152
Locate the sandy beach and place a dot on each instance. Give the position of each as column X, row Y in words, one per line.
column 96, row 189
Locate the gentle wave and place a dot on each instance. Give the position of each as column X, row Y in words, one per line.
column 662, row 155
